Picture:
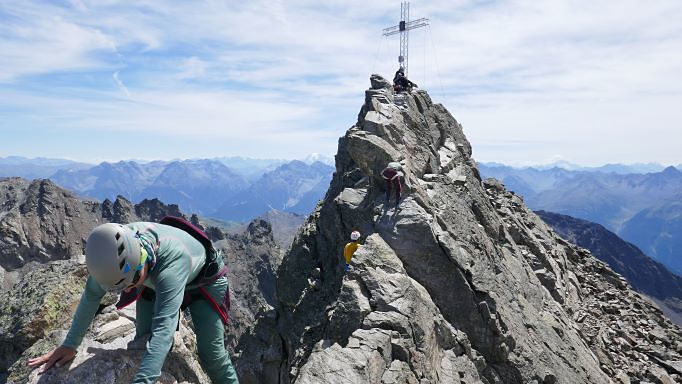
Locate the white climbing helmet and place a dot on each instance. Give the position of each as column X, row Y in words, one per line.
column 354, row 235
column 395, row 165
column 112, row 255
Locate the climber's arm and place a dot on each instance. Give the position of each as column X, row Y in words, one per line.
column 87, row 307
column 170, row 288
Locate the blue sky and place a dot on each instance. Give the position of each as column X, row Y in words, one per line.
column 586, row 81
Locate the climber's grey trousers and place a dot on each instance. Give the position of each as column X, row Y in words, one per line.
column 209, row 329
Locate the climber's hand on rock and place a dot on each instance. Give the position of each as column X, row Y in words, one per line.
column 59, row 356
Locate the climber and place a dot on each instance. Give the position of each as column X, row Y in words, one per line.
column 393, row 174
column 401, row 83
column 161, row 266
column 350, row 248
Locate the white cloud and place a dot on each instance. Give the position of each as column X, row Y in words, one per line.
column 192, row 68
column 49, row 45
column 562, row 77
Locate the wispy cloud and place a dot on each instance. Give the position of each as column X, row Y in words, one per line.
column 121, row 85
column 49, row 45
column 573, row 74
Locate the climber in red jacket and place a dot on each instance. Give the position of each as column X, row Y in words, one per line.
column 393, row 175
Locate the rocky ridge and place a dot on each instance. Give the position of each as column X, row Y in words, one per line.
column 253, row 258
column 39, row 221
column 628, row 334
column 643, row 273
column 461, row 283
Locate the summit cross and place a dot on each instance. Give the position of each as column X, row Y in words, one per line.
column 404, row 27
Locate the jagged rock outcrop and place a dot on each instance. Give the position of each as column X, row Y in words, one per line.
column 154, row 210
column 39, row 221
column 253, row 258
column 285, row 225
column 629, row 335
column 460, row 283
column 644, row 273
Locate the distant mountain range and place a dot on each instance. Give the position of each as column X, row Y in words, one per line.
column 37, row 168
column 642, row 208
column 606, row 168
column 228, row 188
column 658, row 229
column 249, row 168
column 294, row 187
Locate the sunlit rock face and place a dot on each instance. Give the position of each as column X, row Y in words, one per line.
column 458, row 283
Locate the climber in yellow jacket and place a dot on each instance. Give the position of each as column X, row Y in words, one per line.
column 351, row 247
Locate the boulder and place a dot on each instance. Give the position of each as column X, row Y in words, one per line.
column 113, row 359
column 42, row 302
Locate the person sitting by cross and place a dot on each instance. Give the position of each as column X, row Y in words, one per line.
column 401, row 83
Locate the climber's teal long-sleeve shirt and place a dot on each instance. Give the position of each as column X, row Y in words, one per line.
column 179, row 259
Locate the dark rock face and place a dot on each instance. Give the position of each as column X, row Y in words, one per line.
column 645, row 274
column 253, row 258
column 154, row 210
column 285, row 226
column 460, row 283
column 40, row 221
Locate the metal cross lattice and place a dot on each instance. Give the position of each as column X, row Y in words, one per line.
column 404, row 27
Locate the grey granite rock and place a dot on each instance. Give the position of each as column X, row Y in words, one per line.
column 39, row 221
column 457, row 257
column 43, row 301
column 114, row 359
column 460, row 283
